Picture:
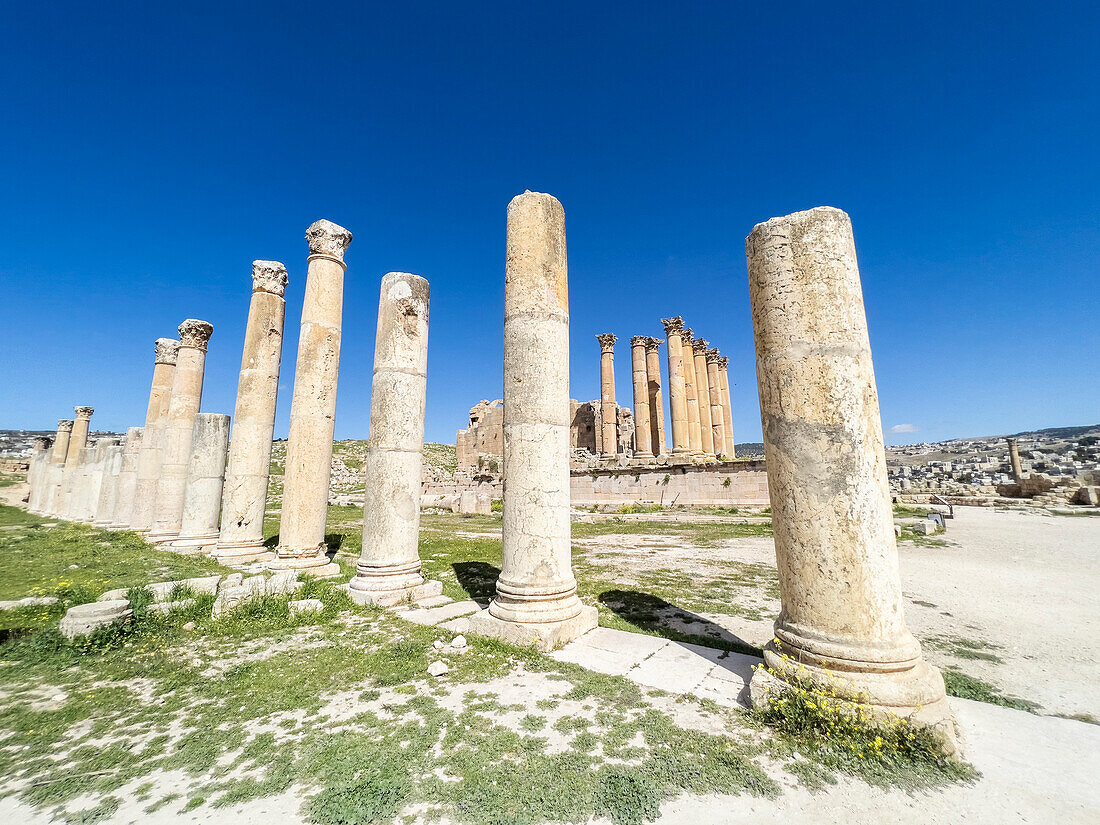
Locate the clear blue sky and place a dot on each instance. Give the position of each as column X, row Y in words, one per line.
column 149, row 152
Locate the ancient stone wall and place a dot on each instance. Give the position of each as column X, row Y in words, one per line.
column 725, row 484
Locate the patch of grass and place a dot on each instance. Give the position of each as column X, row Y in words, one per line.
column 970, row 687
column 1088, row 718
column 911, row 511
column 964, row 648
column 17, row 517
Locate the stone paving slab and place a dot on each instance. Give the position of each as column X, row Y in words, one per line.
column 438, row 615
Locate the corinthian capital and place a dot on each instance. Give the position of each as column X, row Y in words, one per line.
column 685, row 335
column 673, row 326
column 638, row 341
column 712, row 356
column 328, row 239
column 653, row 344
column 195, row 334
column 83, row 412
column 607, row 341
column 700, row 345
column 723, row 362
column 166, row 350
column 64, row 426
column 269, row 276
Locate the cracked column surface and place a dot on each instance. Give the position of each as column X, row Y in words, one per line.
column 179, row 423
column 313, row 408
column 717, row 415
column 143, row 508
column 108, row 487
column 127, row 479
column 842, row 621
column 677, row 389
column 388, row 571
column 76, row 454
column 55, row 472
column 536, row 594
column 609, row 410
column 656, row 397
column 702, row 389
column 244, row 498
column 643, row 438
column 727, row 410
column 202, row 501
column 36, row 474
column 691, row 393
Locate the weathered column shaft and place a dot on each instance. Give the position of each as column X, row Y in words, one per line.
column 388, row 571
column 1014, row 459
column 127, row 479
column 55, row 474
column 143, row 509
column 691, row 393
column 108, row 487
column 677, row 389
column 536, row 593
column 202, row 502
column 244, row 499
column 717, row 415
column 609, row 410
column 702, row 387
column 643, row 435
column 656, row 397
column 179, row 422
column 727, row 410
column 61, row 441
column 842, row 611
column 36, row 473
column 313, row 406
column 92, row 476
column 78, row 440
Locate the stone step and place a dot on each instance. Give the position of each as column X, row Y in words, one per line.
column 434, row 601
column 436, row 615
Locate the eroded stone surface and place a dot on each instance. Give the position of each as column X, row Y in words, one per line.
column 85, row 619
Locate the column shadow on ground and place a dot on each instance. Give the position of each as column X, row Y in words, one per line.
column 478, row 579
column 662, row 618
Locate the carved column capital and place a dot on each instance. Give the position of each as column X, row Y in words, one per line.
column 328, row 240
column 685, row 336
column 166, row 350
column 723, row 362
column 195, row 333
column 83, row 412
column 713, row 357
column 700, row 345
column 653, row 344
column 607, row 341
column 64, row 426
column 673, row 326
column 269, row 276
column 638, row 340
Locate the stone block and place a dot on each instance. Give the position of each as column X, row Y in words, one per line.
column 85, row 619
column 114, row 595
column 230, row 598
column 162, row 590
column 30, row 601
column 437, row 615
column 544, row 636
column 305, row 606
column 232, row 580
column 204, row 585
column 283, row 584
column 167, row 607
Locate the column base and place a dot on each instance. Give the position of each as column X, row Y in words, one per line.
column 545, row 636
column 102, row 524
column 155, row 535
column 239, row 553
column 360, row 592
column 312, row 561
column 194, row 545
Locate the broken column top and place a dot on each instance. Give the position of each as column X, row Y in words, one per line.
column 83, row 412
column 607, row 340
column 673, row 326
column 269, row 276
column 64, row 426
column 723, row 361
column 195, row 333
column 166, row 350
column 328, row 239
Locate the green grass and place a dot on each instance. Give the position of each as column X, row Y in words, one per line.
column 16, row 517
column 970, row 687
column 964, row 648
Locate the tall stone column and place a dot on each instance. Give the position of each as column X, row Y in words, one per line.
column 127, row 479
column 61, row 441
column 656, row 398
column 609, row 410
column 388, row 571
column 702, row 388
column 78, row 440
column 313, row 407
column 717, row 415
column 55, row 473
column 842, row 621
column 92, row 477
column 536, row 594
column 108, row 486
column 244, row 499
column 143, row 509
column 677, row 388
column 643, row 436
column 1014, row 459
column 691, row 392
column 727, row 409
column 179, row 421
column 36, row 473
column 202, row 501
column 75, row 455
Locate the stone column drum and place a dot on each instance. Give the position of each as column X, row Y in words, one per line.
column 702, row 389
column 727, row 410
column 108, row 487
column 55, row 473
column 842, row 621
column 691, row 392
column 677, row 390
column 127, row 479
column 179, row 421
column 643, row 437
column 36, row 473
column 388, row 571
column 244, row 499
column 313, row 407
column 1014, row 459
column 202, row 502
column 609, row 410
column 143, row 509
column 717, row 414
column 536, row 594
column 656, row 397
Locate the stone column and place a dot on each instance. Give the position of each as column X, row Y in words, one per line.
column 79, row 438
column 1014, row 459
column 202, row 501
column 536, row 594
column 127, row 479
column 36, row 473
column 656, row 397
column 842, row 621
column 609, row 410
column 61, row 441
column 388, row 571
column 677, row 390
column 175, row 448
column 244, row 499
column 143, row 509
column 702, row 388
column 55, row 473
column 313, row 407
column 691, row 392
column 643, row 436
column 717, row 414
column 92, row 475
column 108, row 487
column 75, row 456
column 727, row 410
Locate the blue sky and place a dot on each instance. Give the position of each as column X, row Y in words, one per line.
column 150, row 152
